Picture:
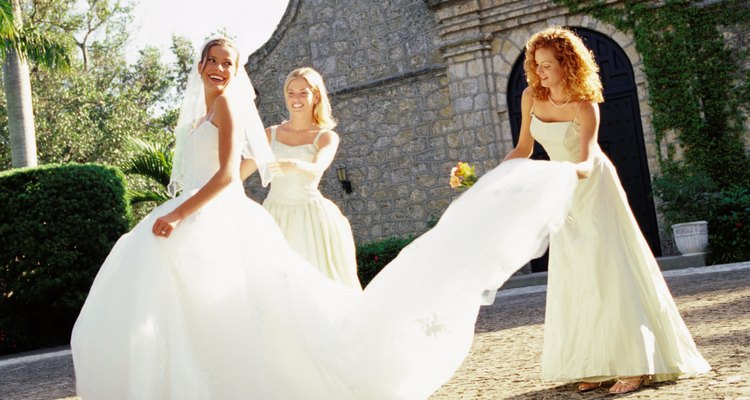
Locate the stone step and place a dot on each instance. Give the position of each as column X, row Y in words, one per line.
column 665, row 264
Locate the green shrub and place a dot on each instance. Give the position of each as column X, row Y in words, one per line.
column 702, row 101
column 372, row 257
column 685, row 194
column 729, row 226
column 692, row 196
column 58, row 223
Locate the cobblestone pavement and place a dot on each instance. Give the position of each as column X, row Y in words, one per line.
column 38, row 376
column 507, row 349
column 504, row 360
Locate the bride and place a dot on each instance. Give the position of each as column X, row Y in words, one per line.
column 204, row 299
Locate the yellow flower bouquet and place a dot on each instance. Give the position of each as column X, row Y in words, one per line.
column 463, row 176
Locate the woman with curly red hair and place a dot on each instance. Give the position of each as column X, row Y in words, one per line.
column 610, row 315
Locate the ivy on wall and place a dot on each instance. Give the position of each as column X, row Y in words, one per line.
column 697, row 89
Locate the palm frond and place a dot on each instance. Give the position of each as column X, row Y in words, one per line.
column 8, row 30
column 7, row 25
column 139, row 196
column 30, row 43
column 153, row 161
column 43, row 50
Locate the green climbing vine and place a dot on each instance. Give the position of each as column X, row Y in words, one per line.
column 697, row 89
column 699, row 93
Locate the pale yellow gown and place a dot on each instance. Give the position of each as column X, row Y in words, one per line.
column 609, row 311
column 313, row 225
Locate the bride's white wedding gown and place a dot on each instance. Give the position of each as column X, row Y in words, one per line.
column 224, row 309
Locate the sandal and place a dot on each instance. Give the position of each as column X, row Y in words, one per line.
column 586, row 386
column 629, row 384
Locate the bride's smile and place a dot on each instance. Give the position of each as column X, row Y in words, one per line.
column 219, row 66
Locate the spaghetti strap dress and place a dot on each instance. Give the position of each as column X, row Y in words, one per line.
column 313, row 225
column 609, row 311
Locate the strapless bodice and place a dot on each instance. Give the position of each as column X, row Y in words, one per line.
column 561, row 140
column 201, row 155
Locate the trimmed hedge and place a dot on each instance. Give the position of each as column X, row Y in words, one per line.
column 57, row 223
column 372, row 257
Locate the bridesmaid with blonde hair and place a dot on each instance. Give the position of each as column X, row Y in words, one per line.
column 304, row 147
column 610, row 316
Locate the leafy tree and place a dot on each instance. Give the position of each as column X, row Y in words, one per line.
column 20, row 44
column 183, row 51
column 89, row 116
column 81, row 23
column 90, row 113
column 94, row 111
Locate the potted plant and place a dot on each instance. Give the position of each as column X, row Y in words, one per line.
column 685, row 203
column 691, row 237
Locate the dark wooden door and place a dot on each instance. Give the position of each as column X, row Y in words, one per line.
column 620, row 130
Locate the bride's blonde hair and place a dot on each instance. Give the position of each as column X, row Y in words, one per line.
column 322, row 113
column 580, row 72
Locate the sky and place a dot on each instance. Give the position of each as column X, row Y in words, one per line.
column 250, row 22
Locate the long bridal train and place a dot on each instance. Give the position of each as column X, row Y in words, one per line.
column 224, row 309
column 426, row 301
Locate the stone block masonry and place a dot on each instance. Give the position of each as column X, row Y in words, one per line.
column 403, row 118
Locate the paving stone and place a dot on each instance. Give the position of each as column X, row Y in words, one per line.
column 505, row 356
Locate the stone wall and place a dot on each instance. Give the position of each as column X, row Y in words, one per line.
column 500, row 29
column 403, row 121
column 416, row 86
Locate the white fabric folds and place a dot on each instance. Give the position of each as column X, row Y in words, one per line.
column 225, row 309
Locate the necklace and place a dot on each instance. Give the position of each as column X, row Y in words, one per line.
column 564, row 104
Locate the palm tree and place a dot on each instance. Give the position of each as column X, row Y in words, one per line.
column 154, row 162
column 18, row 45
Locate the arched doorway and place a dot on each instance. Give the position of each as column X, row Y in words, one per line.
column 620, row 130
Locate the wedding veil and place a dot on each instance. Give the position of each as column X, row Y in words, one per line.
column 252, row 137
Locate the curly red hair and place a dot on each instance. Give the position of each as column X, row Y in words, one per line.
column 581, row 73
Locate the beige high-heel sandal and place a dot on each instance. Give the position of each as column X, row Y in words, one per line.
column 629, row 384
